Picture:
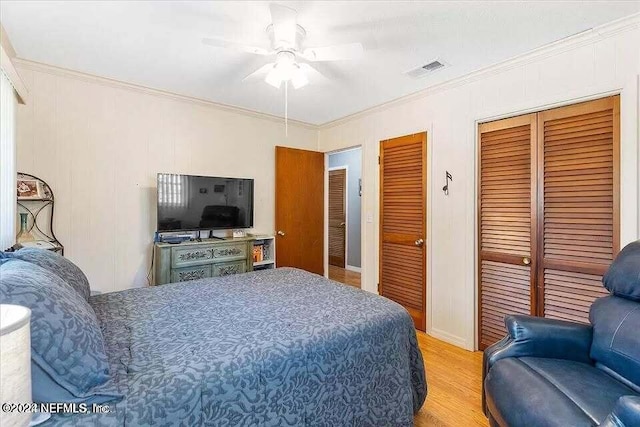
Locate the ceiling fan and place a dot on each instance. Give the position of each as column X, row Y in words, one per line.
column 287, row 41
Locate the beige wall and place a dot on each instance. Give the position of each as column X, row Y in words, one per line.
column 593, row 64
column 99, row 144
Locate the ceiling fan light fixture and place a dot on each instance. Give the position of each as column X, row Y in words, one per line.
column 286, row 69
column 287, row 37
column 273, row 78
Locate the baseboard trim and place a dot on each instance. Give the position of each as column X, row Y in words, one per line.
column 450, row 338
column 352, row 268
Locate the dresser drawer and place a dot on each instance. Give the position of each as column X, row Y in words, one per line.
column 207, row 254
column 190, row 273
column 227, row 268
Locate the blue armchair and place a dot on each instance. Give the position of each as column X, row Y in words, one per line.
column 554, row 373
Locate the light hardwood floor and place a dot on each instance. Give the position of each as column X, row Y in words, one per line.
column 342, row 275
column 454, row 379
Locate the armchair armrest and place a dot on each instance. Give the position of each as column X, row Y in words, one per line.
column 626, row 413
column 539, row 337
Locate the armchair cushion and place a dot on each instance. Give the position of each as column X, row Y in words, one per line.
column 623, row 276
column 578, row 381
column 575, row 393
column 517, row 396
column 539, row 337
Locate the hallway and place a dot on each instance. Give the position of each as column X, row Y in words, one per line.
column 348, row 277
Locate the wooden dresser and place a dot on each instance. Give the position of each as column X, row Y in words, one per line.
column 208, row 258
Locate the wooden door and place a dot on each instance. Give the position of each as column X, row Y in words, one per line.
column 507, row 207
column 337, row 217
column 300, row 209
column 403, row 196
column 578, row 164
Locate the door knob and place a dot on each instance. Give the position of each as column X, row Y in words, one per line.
column 342, row 224
column 526, row 260
column 419, row 242
column 280, row 233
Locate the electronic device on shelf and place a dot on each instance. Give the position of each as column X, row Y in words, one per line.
column 190, row 203
column 175, row 238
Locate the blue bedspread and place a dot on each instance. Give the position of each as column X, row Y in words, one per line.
column 278, row 347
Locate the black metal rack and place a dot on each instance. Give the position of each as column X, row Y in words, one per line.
column 35, row 207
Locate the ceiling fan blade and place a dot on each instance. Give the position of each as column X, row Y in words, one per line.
column 334, row 53
column 228, row 44
column 284, row 25
column 260, row 73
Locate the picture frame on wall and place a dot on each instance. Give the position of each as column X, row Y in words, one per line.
column 29, row 189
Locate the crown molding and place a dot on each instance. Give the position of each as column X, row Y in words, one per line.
column 7, row 57
column 629, row 23
column 6, row 42
column 9, row 70
column 105, row 81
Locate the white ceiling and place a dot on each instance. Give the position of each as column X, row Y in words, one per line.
column 158, row 44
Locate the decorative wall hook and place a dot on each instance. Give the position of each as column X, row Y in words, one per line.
column 448, row 178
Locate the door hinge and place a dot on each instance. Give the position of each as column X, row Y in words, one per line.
column 378, row 159
column 378, row 287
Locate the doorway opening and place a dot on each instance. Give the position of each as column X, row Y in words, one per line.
column 344, row 228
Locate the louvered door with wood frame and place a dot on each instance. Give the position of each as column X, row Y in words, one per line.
column 337, row 216
column 507, row 223
column 563, row 163
column 578, row 165
column 403, row 187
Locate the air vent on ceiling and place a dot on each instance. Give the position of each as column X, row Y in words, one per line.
column 423, row 70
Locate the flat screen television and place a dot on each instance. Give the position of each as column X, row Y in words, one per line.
column 188, row 202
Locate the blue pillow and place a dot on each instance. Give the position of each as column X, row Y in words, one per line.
column 55, row 263
column 623, row 276
column 67, row 349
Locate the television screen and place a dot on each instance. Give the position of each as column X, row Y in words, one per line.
column 187, row 202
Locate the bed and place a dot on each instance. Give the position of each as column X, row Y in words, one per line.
column 277, row 347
